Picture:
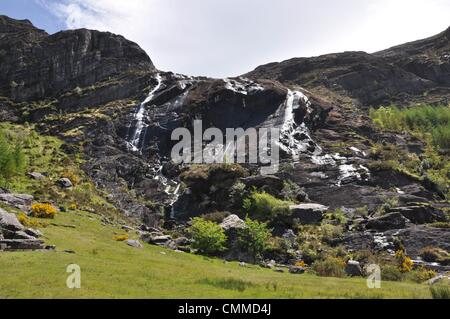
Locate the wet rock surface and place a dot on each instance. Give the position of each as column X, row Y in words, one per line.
column 320, row 105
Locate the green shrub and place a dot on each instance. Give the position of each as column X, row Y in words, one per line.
column 330, row 267
column 391, row 273
column 440, row 292
column 331, row 233
column 433, row 254
column 254, row 238
column 12, row 158
column 265, row 207
column 421, row 275
column 444, row 225
column 207, row 237
column 425, row 119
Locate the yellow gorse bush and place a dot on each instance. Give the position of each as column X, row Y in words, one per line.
column 300, row 264
column 27, row 221
column 41, row 210
column 405, row 264
column 121, row 237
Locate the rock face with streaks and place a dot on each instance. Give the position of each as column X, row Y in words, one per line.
column 103, row 95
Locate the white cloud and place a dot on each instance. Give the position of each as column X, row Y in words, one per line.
column 230, row 37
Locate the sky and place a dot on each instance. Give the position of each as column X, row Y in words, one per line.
column 221, row 38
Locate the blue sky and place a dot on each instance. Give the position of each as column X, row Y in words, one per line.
column 33, row 11
column 221, row 38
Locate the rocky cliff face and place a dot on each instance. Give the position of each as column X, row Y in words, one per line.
column 403, row 74
column 103, row 96
column 36, row 66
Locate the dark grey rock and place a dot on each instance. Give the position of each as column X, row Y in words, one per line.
column 308, row 214
column 423, row 214
column 353, row 268
column 386, row 222
column 64, row 183
column 296, row 270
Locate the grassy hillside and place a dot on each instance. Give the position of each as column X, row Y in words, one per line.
column 111, row 269
column 83, row 234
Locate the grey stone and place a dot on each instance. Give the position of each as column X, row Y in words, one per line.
column 22, row 244
column 64, row 183
column 9, row 221
column 159, row 240
column 182, row 241
column 353, row 268
column 421, row 214
column 134, row 243
column 19, row 201
column 22, row 235
column 33, row 232
column 386, row 222
column 308, row 214
column 296, row 270
column 36, row 176
column 233, row 222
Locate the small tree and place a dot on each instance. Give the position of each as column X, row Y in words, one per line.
column 254, row 238
column 208, row 237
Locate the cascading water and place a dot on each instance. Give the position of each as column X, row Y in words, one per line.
column 296, row 140
column 135, row 141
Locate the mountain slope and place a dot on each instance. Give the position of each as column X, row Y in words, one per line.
column 401, row 75
column 103, row 97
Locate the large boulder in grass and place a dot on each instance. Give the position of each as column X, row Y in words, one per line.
column 10, row 222
column 308, row 214
column 353, row 268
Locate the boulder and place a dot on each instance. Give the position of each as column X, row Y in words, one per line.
column 423, row 214
column 160, row 240
column 233, row 222
column 19, row 201
column 9, row 222
column 64, row 183
column 353, row 268
column 22, row 244
column 36, row 176
column 182, row 241
column 22, row 235
column 134, row 243
column 33, row 232
column 308, row 214
column 386, row 222
column 296, row 270
column 268, row 183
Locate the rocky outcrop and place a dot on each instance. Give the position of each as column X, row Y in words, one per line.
column 19, row 201
column 35, row 65
column 14, row 236
column 308, row 214
column 388, row 221
column 400, row 74
column 423, row 214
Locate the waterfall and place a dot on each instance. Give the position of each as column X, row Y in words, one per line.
column 172, row 188
column 135, row 141
column 296, row 140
